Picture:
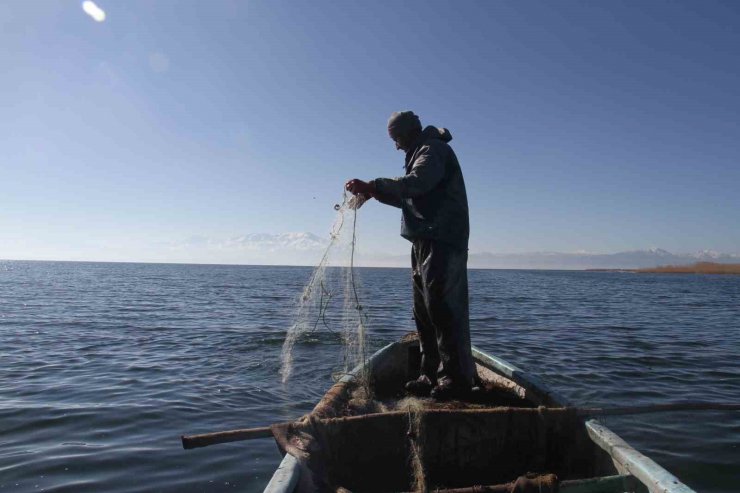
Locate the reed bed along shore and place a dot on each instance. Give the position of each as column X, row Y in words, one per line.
column 697, row 268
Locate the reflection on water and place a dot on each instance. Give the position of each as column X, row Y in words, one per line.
column 104, row 366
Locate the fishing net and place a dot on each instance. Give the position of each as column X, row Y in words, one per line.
column 330, row 301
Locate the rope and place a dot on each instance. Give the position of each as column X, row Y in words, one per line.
column 358, row 306
column 334, row 235
column 347, row 202
column 416, row 454
column 352, row 262
column 322, row 309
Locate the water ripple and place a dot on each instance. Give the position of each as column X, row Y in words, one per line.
column 104, row 366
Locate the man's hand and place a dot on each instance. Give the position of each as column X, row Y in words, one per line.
column 357, row 187
column 356, row 201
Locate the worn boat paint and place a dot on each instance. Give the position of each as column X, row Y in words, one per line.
column 631, row 464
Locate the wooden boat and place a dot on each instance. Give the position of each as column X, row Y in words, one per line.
column 515, row 426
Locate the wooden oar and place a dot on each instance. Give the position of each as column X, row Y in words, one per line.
column 206, row 439
column 656, row 408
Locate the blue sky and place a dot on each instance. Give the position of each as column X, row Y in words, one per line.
column 597, row 126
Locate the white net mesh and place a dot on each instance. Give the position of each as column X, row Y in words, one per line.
column 331, row 299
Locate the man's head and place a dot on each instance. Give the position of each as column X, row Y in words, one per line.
column 404, row 128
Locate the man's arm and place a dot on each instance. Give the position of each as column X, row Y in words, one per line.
column 386, row 199
column 426, row 172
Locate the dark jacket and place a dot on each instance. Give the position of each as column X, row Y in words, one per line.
column 432, row 194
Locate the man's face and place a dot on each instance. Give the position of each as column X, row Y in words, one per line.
column 402, row 141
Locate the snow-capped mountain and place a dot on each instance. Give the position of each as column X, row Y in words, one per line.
column 710, row 255
column 622, row 260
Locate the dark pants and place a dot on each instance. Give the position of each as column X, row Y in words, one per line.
column 441, row 311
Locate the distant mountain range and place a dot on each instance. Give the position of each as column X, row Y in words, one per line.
column 306, row 249
column 622, row 260
column 578, row 261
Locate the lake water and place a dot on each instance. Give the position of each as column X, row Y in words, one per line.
column 103, row 366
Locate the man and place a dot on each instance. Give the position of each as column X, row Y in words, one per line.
column 435, row 219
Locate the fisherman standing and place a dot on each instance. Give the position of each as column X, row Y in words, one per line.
column 435, row 219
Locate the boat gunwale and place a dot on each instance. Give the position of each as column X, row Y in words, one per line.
column 627, row 459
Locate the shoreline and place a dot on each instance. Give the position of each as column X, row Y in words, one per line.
column 697, row 268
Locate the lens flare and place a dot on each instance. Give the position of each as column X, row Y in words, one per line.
column 93, row 11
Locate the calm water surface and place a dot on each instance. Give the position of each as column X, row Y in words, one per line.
column 104, row 366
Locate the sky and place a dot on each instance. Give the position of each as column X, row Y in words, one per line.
column 579, row 126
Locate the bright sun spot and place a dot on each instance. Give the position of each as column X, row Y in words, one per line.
column 93, row 10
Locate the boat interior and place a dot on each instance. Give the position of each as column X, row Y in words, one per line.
column 367, row 435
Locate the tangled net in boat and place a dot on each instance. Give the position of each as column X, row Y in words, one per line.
column 419, row 450
column 330, row 301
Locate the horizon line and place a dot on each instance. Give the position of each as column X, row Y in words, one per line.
column 264, row 265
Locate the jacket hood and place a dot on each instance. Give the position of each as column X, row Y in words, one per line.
column 432, row 132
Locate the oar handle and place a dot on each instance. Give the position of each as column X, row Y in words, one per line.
column 206, row 439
